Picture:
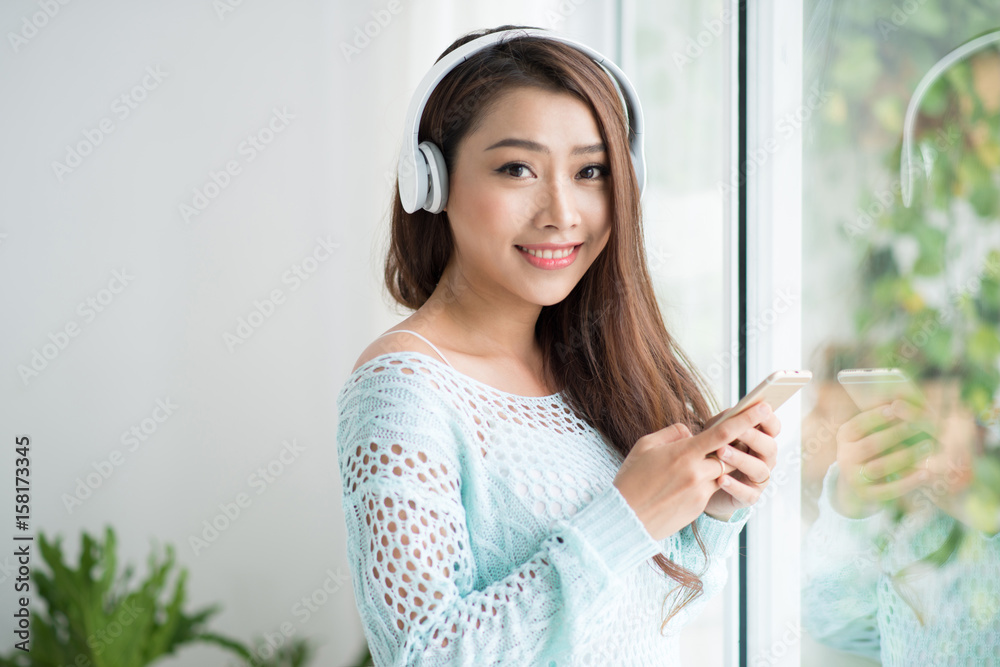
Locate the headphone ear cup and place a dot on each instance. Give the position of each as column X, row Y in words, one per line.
column 437, row 177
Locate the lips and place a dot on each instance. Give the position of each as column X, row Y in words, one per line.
column 549, row 250
column 557, row 259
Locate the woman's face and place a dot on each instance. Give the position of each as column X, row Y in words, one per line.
column 533, row 174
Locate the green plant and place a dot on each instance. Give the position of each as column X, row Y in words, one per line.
column 929, row 297
column 931, row 273
column 92, row 617
column 295, row 653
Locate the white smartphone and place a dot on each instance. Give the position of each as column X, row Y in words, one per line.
column 776, row 388
column 872, row 387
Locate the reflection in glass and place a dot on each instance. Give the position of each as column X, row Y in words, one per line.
column 902, row 506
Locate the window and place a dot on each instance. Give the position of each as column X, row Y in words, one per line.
column 678, row 56
column 889, row 258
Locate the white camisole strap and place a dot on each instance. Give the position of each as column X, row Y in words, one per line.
column 421, row 338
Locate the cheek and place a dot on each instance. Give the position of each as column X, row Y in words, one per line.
column 604, row 237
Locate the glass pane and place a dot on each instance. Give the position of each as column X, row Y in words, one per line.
column 901, row 270
column 679, row 70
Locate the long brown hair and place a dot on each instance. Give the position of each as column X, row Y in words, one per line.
column 605, row 344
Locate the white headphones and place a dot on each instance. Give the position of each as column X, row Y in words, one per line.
column 422, row 173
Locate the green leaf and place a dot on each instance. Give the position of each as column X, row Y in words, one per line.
column 91, row 614
column 985, row 200
column 932, row 243
column 984, row 345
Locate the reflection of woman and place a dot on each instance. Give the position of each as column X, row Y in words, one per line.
column 891, row 570
column 504, row 484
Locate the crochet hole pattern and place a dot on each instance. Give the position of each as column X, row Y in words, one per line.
column 414, row 549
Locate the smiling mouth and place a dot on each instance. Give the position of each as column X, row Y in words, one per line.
column 549, row 254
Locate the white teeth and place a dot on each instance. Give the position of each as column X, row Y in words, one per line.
column 549, row 254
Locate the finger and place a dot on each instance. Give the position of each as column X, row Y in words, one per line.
column 761, row 443
column 714, row 467
column 873, row 446
column 748, row 464
column 730, row 429
column 713, row 420
column 770, row 425
column 865, row 423
column 886, row 491
column 902, row 460
column 745, row 494
column 757, row 444
column 671, row 433
column 919, row 417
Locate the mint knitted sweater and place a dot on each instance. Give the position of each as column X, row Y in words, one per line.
column 484, row 529
column 849, row 601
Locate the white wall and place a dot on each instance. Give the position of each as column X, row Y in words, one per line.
column 160, row 336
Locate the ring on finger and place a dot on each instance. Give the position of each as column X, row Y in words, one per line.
column 763, row 481
column 722, row 466
column 864, row 476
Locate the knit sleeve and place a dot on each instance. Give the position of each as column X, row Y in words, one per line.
column 720, row 539
column 401, row 452
column 840, row 576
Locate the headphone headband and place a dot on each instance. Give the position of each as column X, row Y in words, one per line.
column 422, row 175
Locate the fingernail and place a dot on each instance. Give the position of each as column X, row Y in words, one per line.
column 726, row 454
column 888, row 412
column 724, row 480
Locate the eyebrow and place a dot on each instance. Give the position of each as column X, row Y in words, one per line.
column 527, row 144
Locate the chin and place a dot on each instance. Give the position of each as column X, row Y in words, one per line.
column 551, row 298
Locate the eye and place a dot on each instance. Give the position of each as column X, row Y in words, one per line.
column 604, row 171
column 511, row 165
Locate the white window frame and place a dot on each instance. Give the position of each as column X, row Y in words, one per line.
column 774, row 252
column 774, row 280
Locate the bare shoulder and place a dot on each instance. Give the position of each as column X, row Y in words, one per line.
column 397, row 342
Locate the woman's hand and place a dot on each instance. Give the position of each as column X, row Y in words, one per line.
column 873, row 470
column 750, row 462
column 668, row 477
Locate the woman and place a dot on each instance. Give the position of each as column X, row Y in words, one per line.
column 518, row 446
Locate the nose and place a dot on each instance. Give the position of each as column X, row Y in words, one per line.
column 556, row 204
